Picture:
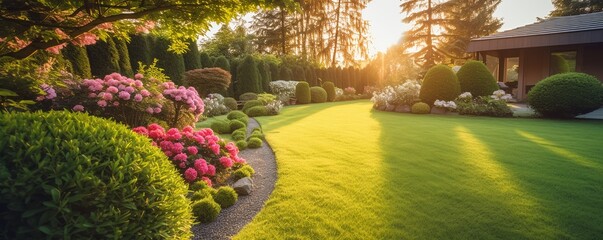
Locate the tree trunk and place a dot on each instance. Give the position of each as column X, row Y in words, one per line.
column 333, row 63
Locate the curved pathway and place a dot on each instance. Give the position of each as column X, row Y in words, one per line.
column 231, row 220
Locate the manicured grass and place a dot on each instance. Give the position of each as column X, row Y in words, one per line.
column 348, row 172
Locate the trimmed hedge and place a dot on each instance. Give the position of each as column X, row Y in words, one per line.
column 124, row 57
column 231, row 103
column 248, row 76
column 248, row 96
column 70, row 175
column 249, row 104
column 440, row 83
column 257, row 111
column 223, row 63
column 420, row 108
column 207, row 80
column 191, row 57
column 205, row 60
column 302, row 93
column 566, row 95
column 172, row 63
column 319, row 95
column 264, row 70
column 104, row 58
column 139, row 51
column 474, row 77
column 225, row 196
column 330, row 88
column 79, row 60
column 206, row 210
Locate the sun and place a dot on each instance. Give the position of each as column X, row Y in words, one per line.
column 385, row 24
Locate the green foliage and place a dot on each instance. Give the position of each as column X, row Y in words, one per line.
column 200, row 194
column 285, row 73
column 302, row 93
column 206, row 210
column 198, row 185
column 241, row 144
column 79, row 60
column 254, row 142
column 319, row 95
column 264, row 69
column 223, row 63
column 274, row 71
column 231, row 103
column 207, row 80
column 240, row 173
column 239, row 134
column 440, row 83
column 191, row 57
column 236, row 114
column 172, row 63
column 226, row 197
column 558, row 64
column 420, row 108
column 248, row 96
column 474, row 77
column 248, row 168
column 124, row 57
column 104, row 58
column 257, row 111
column 221, row 127
column 266, row 98
column 102, row 179
column 248, row 76
column 566, row 95
column 330, row 89
column 250, row 104
column 205, row 60
column 257, row 132
column 236, row 124
column 483, row 106
column 298, row 73
column 139, row 50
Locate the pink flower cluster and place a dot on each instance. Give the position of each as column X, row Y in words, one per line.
column 50, row 93
column 349, row 91
column 145, row 27
column 116, row 89
column 187, row 96
column 199, row 155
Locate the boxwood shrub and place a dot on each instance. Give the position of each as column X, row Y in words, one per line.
column 474, row 77
column 221, row 127
column 254, row 142
column 250, row 104
column 420, row 108
column 440, row 83
column 566, row 95
column 302, row 93
column 225, row 196
column 70, row 175
column 206, row 210
column 330, row 89
column 236, row 124
column 231, row 103
column 257, row 111
column 319, row 95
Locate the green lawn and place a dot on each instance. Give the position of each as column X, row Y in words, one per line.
column 348, row 172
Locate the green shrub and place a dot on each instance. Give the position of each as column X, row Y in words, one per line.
column 238, row 136
column 231, row 103
column 285, row 73
column 172, row 63
column 240, row 173
column 199, row 195
column 236, row 124
column 236, row 114
column 248, row 76
column 139, row 51
column 330, row 89
column 207, row 80
column 484, row 106
column 226, row 197
column 250, row 104
column 241, row 144
column 221, row 126
column 257, row 111
column 206, row 210
column 70, row 175
column 474, row 77
column 266, row 98
column 274, row 71
column 254, row 142
column 198, row 185
column 248, row 96
column 205, row 60
column 256, row 132
column 566, row 95
column 319, row 95
column 420, row 108
column 124, row 57
column 248, row 169
column 191, row 57
column 440, row 83
column 302, row 93
column 104, row 58
column 79, row 60
column 223, row 63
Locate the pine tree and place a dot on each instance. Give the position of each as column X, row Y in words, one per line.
column 264, row 69
column 576, row 7
column 124, row 57
column 247, row 76
column 222, row 62
column 425, row 16
column 104, row 58
column 79, row 60
column 274, row 71
column 191, row 57
column 172, row 63
column 205, row 60
column 139, row 51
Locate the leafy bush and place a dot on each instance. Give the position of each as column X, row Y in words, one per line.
column 191, row 57
column 198, row 155
column 257, row 111
column 79, row 60
column 266, row 98
column 240, row 173
column 566, row 95
column 238, row 136
column 441, row 83
column 256, row 132
column 242, row 144
column 248, row 169
column 198, row 185
column 199, row 195
column 231, row 103
column 207, row 80
column 474, row 77
column 236, row 114
column 283, row 89
column 248, row 96
column 406, row 93
column 221, row 127
column 214, row 105
column 236, row 124
column 274, row 107
column 482, row 106
column 330, row 89
column 139, row 51
column 249, row 104
column 103, row 57
column 205, row 60
column 92, row 179
column 302, row 93
column 254, row 142
column 124, row 57
column 172, row 63
column 223, row 63
column 225, row 196
column 248, row 76
column 319, row 95
column 420, row 108
column 206, row 210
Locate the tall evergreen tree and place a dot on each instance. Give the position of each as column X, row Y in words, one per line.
column 139, row 50
column 79, row 60
column 575, row 7
column 172, row 63
column 264, row 69
column 425, row 18
column 104, row 58
column 222, row 62
column 124, row 57
column 205, row 60
column 274, row 71
column 248, row 76
column 191, row 57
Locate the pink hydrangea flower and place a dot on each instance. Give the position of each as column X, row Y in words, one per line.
column 215, row 148
column 138, row 76
column 149, row 110
column 124, row 95
column 192, row 150
column 78, row 108
column 156, row 110
column 102, row 103
column 207, row 180
column 177, row 147
column 190, row 174
column 112, row 89
column 145, row 93
column 211, row 170
column 201, row 166
column 141, row 130
column 226, row 162
column 138, row 98
column 173, row 134
column 116, row 104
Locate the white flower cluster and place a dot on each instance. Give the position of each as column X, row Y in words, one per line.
column 444, row 104
column 274, row 107
column 214, row 105
column 283, row 89
column 501, row 95
column 338, row 92
column 405, row 93
column 466, row 95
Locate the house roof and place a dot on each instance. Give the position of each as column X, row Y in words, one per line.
column 555, row 31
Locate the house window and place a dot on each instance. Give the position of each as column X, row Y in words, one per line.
column 492, row 64
column 511, row 71
column 561, row 62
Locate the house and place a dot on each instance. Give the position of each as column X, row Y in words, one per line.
column 521, row 57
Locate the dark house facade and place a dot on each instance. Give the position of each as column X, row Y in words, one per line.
column 521, row 57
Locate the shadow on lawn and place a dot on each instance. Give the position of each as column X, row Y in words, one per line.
column 474, row 177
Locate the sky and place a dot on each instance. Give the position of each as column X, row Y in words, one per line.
column 386, row 25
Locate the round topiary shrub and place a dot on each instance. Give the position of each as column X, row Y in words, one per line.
column 254, row 142
column 248, row 169
column 318, row 95
column 206, row 210
column 236, row 114
column 240, row 173
column 208, row 80
column 231, row 103
column 248, row 96
column 440, row 83
column 199, row 195
column 250, row 104
column 474, row 77
column 302, row 93
column 241, row 144
column 198, row 185
column 420, row 108
column 70, row 175
column 236, row 124
column 226, row 197
column 566, row 95
column 330, row 89
column 257, row 111
column 221, row 127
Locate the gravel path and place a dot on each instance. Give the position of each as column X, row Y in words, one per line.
column 231, row 220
